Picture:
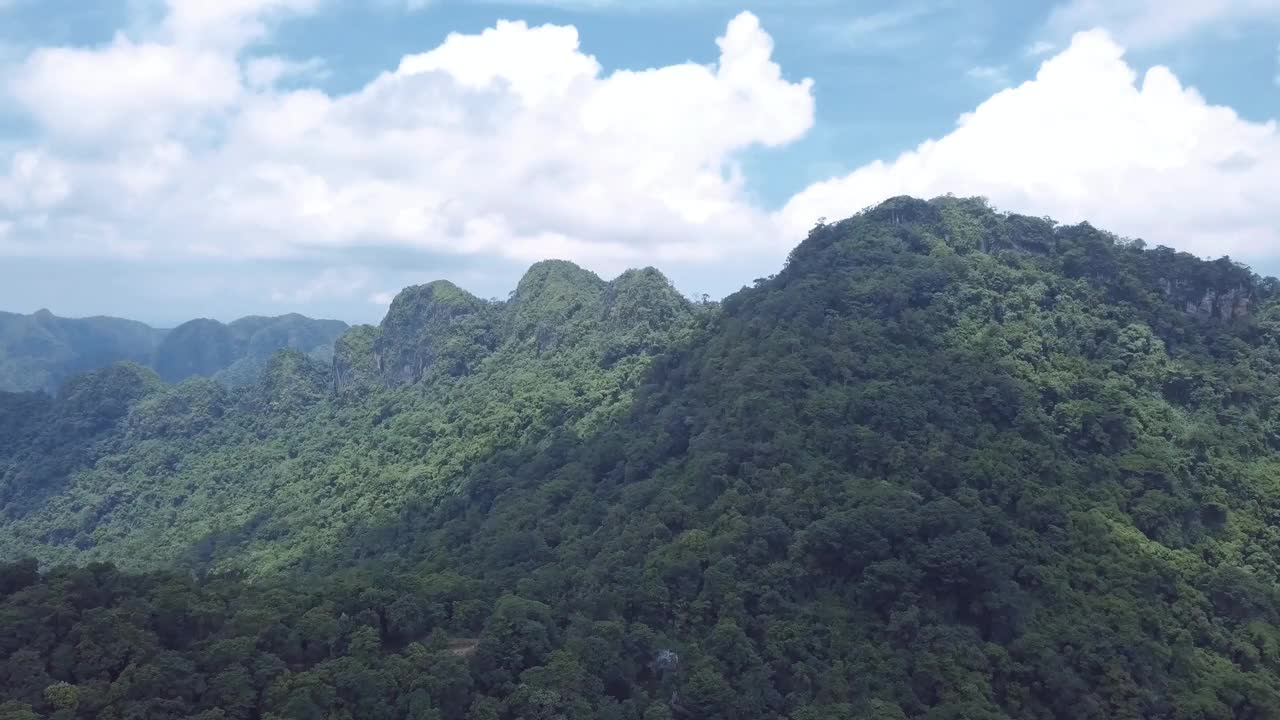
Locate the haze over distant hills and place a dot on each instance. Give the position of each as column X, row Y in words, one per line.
column 41, row 351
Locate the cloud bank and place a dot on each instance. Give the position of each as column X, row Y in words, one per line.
column 180, row 140
column 1087, row 139
column 510, row 143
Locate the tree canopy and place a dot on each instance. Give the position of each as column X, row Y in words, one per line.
column 947, row 463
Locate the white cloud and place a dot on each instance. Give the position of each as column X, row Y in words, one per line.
column 125, row 88
column 174, row 143
column 34, row 182
column 176, row 77
column 1040, row 47
column 1085, row 140
column 228, row 24
column 265, row 72
column 1145, row 23
column 994, row 74
column 511, row 143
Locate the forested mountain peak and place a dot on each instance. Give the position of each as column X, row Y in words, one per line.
column 549, row 275
column 1129, row 271
column 557, row 305
column 946, row 463
column 555, row 299
column 436, row 326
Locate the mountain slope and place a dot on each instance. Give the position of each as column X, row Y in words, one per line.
column 948, row 463
column 266, row 475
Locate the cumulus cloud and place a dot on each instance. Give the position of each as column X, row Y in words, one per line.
column 1144, row 23
column 180, row 142
column 227, row 24
column 1087, row 140
column 125, row 88
column 510, row 143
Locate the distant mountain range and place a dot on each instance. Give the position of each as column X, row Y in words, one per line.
column 41, row 351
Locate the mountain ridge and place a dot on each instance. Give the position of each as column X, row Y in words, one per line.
column 947, row 462
column 41, row 351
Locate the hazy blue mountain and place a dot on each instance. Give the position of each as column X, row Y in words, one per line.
column 41, row 351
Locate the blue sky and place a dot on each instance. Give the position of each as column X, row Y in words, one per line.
column 168, row 159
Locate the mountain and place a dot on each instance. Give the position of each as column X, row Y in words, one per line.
column 947, row 463
column 446, row 381
column 42, row 351
column 237, row 354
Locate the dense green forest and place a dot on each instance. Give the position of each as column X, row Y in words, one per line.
column 42, row 351
column 947, row 463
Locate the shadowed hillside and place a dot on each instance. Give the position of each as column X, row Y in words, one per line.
column 947, row 463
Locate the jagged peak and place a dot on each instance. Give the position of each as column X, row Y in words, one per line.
column 414, row 305
column 417, row 331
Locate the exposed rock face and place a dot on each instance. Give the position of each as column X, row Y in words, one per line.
column 1224, row 305
column 354, row 363
column 1226, row 300
column 437, row 326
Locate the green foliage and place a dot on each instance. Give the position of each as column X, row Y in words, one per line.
column 434, row 328
column 948, row 463
column 331, row 450
column 355, row 365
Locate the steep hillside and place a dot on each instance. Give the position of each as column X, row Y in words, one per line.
column 948, row 463
column 268, row 475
